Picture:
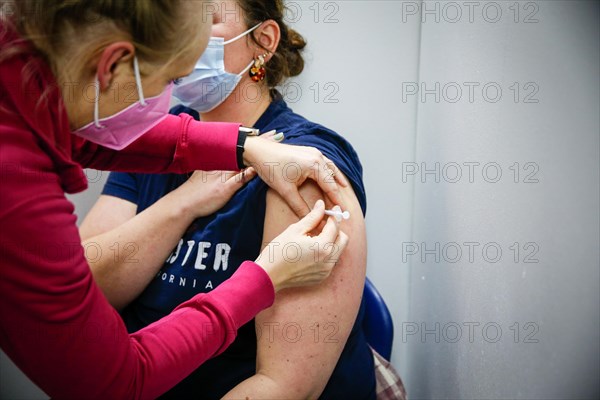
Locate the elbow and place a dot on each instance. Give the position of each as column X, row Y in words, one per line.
column 294, row 385
column 307, row 390
column 102, row 277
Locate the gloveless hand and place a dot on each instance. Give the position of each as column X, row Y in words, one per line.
column 206, row 192
column 285, row 167
column 315, row 255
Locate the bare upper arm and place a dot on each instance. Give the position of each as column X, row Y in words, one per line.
column 108, row 213
column 302, row 335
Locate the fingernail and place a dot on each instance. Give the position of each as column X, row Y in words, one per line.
column 320, row 204
column 278, row 137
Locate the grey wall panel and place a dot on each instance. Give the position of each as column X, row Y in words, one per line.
column 547, row 310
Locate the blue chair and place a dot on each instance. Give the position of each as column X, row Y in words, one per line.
column 377, row 323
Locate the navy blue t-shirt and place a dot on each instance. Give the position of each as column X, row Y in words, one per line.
column 213, row 247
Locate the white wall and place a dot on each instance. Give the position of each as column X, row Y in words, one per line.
column 365, row 56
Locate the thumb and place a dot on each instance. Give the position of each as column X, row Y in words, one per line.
column 295, row 201
column 313, row 218
column 238, row 180
column 248, row 174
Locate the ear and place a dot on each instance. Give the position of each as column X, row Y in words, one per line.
column 111, row 56
column 268, row 35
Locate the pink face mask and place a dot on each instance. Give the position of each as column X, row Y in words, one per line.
column 121, row 129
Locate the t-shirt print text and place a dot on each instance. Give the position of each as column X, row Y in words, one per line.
column 196, row 254
column 219, row 253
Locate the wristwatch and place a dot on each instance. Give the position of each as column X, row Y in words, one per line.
column 243, row 133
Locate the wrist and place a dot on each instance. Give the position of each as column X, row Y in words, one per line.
column 271, row 272
column 242, row 152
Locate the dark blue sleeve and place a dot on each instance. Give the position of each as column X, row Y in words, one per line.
column 122, row 185
column 179, row 109
column 338, row 150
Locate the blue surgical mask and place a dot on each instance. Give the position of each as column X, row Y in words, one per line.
column 209, row 85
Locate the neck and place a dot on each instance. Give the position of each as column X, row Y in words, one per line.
column 79, row 110
column 245, row 105
column 70, row 88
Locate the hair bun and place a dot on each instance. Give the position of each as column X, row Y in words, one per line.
column 297, row 42
column 291, row 49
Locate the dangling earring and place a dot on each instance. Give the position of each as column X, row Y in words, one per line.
column 258, row 72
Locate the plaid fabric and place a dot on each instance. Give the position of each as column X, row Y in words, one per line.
column 389, row 384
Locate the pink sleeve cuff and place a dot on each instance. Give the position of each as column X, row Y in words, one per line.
column 207, row 145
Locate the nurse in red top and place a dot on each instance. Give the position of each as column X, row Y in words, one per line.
column 86, row 84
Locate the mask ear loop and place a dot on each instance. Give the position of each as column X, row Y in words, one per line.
column 246, row 69
column 96, row 107
column 138, row 81
column 239, row 36
column 242, row 34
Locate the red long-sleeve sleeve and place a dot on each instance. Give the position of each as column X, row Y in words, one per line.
column 55, row 322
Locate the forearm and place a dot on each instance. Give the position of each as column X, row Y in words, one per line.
column 125, row 259
column 178, row 144
column 74, row 345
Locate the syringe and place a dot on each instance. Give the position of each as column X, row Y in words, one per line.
column 338, row 214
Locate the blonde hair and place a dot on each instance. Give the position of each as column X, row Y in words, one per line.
column 79, row 30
